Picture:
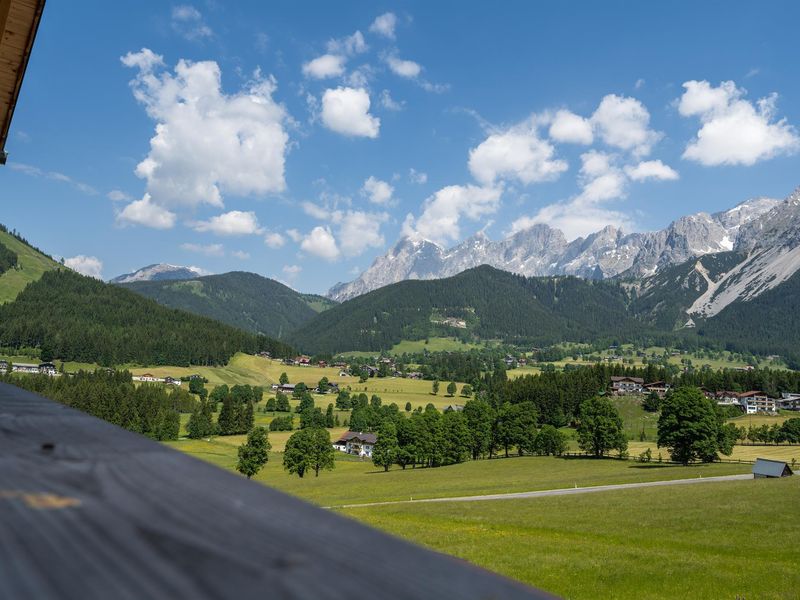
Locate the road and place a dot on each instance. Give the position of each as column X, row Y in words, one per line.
column 558, row 492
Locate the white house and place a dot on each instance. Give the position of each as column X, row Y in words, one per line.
column 357, row 443
column 757, row 402
column 24, row 368
column 789, row 401
column 627, row 385
column 147, row 378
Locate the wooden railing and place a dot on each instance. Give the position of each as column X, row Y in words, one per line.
column 91, row 511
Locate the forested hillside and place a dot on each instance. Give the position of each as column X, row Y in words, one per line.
column 483, row 303
column 244, row 300
column 82, row 319
column 20, row 264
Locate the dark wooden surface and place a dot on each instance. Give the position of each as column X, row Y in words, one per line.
column 89, row 510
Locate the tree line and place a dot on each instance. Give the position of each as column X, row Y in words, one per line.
column 8, row 258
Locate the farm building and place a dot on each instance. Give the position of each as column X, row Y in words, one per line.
column 355, row 442
column 659, row 387
column 24, row 368
column 765, row 467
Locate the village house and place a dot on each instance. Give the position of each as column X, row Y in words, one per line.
column 787, row 401
column 3, row 366
column 356, row 443
column 659, row 387
column 48, row 368
column 453, row 408
column 24, row 368
column 171, row 381
column 414, row 375
column 757, row 402
column 302, row 361
column 147, row 378
column 727, row 398
column 627, row 385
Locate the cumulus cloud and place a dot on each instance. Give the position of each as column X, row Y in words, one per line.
column 207, row 249
column 442, row 212
column 274, row 240
column 320, row 242
column 624, row 123
column 294, row 235
column 734, row 131
column 384, row 25
column 146, row 213
column 235, row 222
column 188, row 22
column 322, row 67
column 377, row 191
column 346, row 110
column 291, row 270
column 651, row 169
column 86, row 265
column 360, row 230
column 240, row 254
column 118, row 196
column 516, row 153
column 404, row 68
column 350, row 45
column 355, row 230
column 206, row 142
column 570, row 128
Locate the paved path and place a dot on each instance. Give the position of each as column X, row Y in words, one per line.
column 559, row 492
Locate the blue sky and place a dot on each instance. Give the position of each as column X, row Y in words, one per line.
column 299, row 140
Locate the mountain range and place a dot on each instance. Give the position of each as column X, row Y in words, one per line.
column 159, row 272
column 541, row 250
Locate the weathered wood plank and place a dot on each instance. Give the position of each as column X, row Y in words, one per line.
column 89, row 510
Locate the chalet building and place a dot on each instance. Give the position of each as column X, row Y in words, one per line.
column 286, row 388
column 453, row 408
column 765, row 467
column 147, row 378
column 627, row 385
column 3, row 366
column 787, row 401
column 302, row 361
column 659, row 387
column 195, row 376
column 322, row 364
column 48, row 368
column 171, row 381
column 727, row 398
column 757, row 402
column 356, row 443
column 24, row 368
column 414, row 375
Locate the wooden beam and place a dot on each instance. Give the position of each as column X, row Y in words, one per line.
column 91, row 511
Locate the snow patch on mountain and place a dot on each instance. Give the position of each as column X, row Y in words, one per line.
column 159, row 272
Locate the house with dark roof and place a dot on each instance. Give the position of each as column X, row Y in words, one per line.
column 627, row 385
column 766, row 467
column 659, row 387
column 356, row 443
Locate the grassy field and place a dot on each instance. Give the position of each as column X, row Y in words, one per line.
column 746, row 452
column 706, row 541
column 435, row 344
column 357, row 481
column 31, row 266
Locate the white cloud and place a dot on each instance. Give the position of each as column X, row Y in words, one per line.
column 390, row 103
column 384, row 25
column 292, row 270
column 54, row 175
column 601, row 181
column 274, row 240
column 294, row 235
column 240, row 254
column 651, row 169
column 417, row 177
column 235, row 222
column 207, row 143
column 322, row 67
column 350, row 46
column 86, row 265
column 145, row 212
column 320, row 242
column 360, row 230
column 207, row 249
column 734, row 131
column 346, row 110
column 404, row 68
column 516, row 153
column 377, row 191
column 624, row 123
column 442, row 212
column 188, row 22
column 639, row 84
column 118, row 196
column 571, row 128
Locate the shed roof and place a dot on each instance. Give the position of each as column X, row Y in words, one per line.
column 771, row 468
column 19, row 20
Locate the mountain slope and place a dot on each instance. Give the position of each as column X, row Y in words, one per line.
column 83, row 319
column 482, row 302
column 30, row 265
column 543, row 251
column 244, row 300
column 159, row 272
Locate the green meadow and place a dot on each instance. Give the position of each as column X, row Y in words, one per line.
column 734, row 540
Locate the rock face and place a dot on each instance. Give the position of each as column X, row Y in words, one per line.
column 159, row 272
column 541, row 250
